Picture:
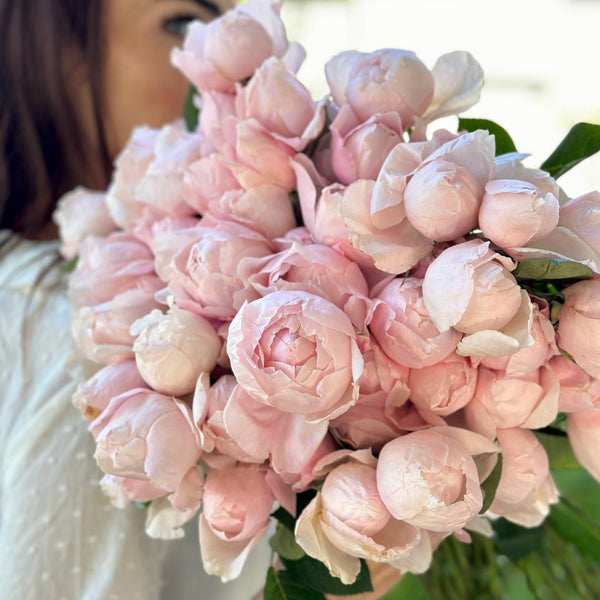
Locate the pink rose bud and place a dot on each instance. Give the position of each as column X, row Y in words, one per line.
column 429, row 480
column 403, row 328
column 79, row 214
column 582, row 216
column 296, row 352
column 470, row 287
column 526, row 489
column 145, row 435
column 383, row 81
column 583, row 429
column 215, row 55
column 93, row 395
column 442, row 200
column 579, row 324
column 350, row 494
column 514, row 213
column 172, row 349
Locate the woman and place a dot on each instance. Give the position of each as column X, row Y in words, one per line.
column 76, row 76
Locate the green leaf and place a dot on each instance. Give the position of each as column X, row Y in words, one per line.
column 490, row 485
column 302, row 500
column 190, row 111
column 582, row 141
column 504, row 143
column 576, row 528
column 410, row 587
column 558, row 449
column 516, row 542
column 539, row 269
column 141, row 505
column 280, row 586
column 314, row 574
column 284, row 543
column 69, row 266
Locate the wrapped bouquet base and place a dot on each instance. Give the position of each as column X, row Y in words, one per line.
column 328, row 313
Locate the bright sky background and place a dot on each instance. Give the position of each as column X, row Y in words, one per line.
column 540, row 58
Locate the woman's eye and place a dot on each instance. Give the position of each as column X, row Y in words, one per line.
column 178, row 25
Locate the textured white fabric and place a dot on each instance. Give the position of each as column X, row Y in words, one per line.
column 60, row 538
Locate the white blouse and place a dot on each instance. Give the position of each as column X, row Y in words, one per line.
column 60, row 538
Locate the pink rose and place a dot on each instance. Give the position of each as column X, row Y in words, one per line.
column 529, row 401
column 296, row 352
column 145, row 435
column 359, row 149
column 381, row 82
column 215, row 55
column 281, row 104
column 79, row 214
column 444, row 387
column 102, row 331
column 579, row 324
column 442, row 200
column 515, row 213
column 172, row 349
column 581, row 215
column 470, row 287
column 93, row 395
column 395, row 246
column 403, row 328
column 429, row 480
column 313, row 268
column 578, row 391
column 233, row 520
column 108, row 266
column 510, row 166
column 526, row 489
column 583, row 429
column 347, row 520
column 205, row 270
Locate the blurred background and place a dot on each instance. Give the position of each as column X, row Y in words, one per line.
column 540, row 58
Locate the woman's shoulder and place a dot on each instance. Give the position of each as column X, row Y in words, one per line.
column 27, row 263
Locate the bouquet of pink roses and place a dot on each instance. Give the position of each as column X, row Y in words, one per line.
column 381, row 330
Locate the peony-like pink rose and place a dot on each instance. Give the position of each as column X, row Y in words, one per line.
column 470, row 287
column 172, row 349
column 444, row 387
column 218, row 54
column 514, row 213
column 359, row 149
column 102, row 331
column 504, row 402
column 381, row 82
column 281, row 104
column 108, row 266
column 578, row 391
column 526, row 488
column 205, row 269
column 347, row 520
column 404, row 329
column 313, row 268
column 237, row 504
column 148, row 436
column 579, row 324
column 442, row 200
column 581, row 215
column 429, row 480
column 93, row 395
column 583, row 429
column 296, row 352
column 81, row 213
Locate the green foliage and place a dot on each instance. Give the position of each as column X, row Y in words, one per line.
column 582, row 141
column 281, row 586
column 490, row 485
column 284, row 543
column 190, row 111
column 551, row 269
column 504, row 143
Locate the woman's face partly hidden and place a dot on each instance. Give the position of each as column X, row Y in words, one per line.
column 141, row 86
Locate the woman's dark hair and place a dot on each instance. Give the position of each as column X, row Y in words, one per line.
column 43, row 148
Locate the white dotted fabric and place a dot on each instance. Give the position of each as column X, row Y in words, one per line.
column 60, row 538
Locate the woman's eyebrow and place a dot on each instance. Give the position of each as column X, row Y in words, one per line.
column 210, row 6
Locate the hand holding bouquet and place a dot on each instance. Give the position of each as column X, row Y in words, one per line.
column 329, row 314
